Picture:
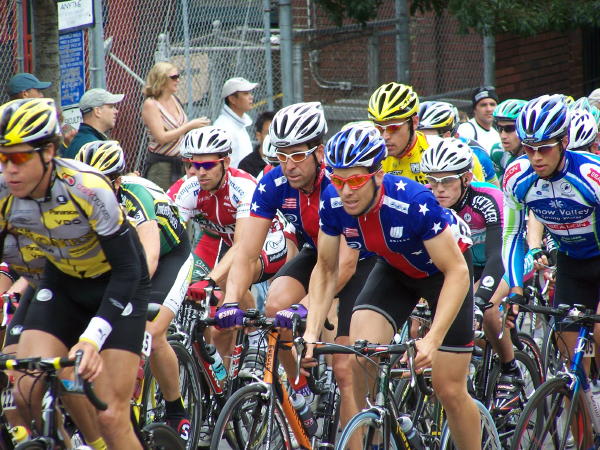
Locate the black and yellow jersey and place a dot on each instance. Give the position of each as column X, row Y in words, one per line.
column 65, row 226
column 409, row 164
column 143, row 200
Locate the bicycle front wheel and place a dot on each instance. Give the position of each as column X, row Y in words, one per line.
column 489, row 435
column 553, row 418
column 367, row 430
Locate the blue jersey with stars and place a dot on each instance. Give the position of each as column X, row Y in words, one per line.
column 406, row 214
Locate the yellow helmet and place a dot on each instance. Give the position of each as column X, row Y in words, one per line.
column 106, row 156
column 393, row 101
column 28, row 120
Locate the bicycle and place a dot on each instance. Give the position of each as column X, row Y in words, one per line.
column 558, row 414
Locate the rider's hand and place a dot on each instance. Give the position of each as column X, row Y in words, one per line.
column 513, row 310
column 285, row 318
column 426, row 348
column 197, row 292
column 539, row 258
column 308, row 360
column 91, row 362
column 229, row 315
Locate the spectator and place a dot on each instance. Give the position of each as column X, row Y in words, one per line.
column 26, row 85
column 594, row 98
column 99, row 112
column 480, row 127
column 254, row 163
column 166, row 123
column 238, row 100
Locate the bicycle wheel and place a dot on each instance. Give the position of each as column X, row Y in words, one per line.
column 158, row 436
column 553, row 361
column 366, row 428
column 32, row 445
column 247, row 411
column 550, row 417
column 531, row 347
column 153, row 406
column 328, row 409
column 489, row 434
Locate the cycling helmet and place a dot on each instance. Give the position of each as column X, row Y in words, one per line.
column 208, row 140
column 393, row 101
column 581, row 103
column 268, row 152
column 543, row 118
column 595, row 113
column 449, row 155
column 298, row 124
column 582, row 130
column 568, row 100
column 509, row 109
column 28, row 121
column 358, row 123
column 434, row 115
column 105, row 156
column 354, row 147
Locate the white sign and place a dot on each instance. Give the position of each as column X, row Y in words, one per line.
column 75, row 14
column 72, row 116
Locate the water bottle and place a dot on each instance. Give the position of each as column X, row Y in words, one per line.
column 217, row 366
column 19, row 434
column 411, row 433
column 593, row 397
column 305, row 413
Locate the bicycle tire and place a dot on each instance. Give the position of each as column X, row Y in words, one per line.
column 531, row 347
column 32, row 445
column 371, row 436
column 159, row 436
column 242, row 410
column 542, row 419
column 153, row 408
column 553, row 361
column 489, row 435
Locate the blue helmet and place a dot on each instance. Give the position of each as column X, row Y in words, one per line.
column 543, row 118
column 356, row 146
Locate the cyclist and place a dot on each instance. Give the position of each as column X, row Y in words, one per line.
column 509, row 148
column 439, row 120
column 562, row 189
column 583, row 131
column 169, row 260
column 295, row 188
column 419, row 256
column 448, row 168
column 393, row 108
column 480, row 127
column 94, row 289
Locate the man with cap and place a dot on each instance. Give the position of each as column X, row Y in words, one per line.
column 26, row 85
column 480, row 127
column 238, row 100
column 99, row 111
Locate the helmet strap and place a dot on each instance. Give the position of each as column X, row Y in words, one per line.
column 372, row 202
column 464, row 190
column 46, row 168
column 317, row 170
column 219, row 184
column 560, row 162
column 411, row 136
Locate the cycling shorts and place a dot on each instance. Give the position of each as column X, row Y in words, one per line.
column 209, row 250
column 577, row 281
column 394, row 295
column 273, row 255
column 172, row 276
column 63, row 306
column 15, row 326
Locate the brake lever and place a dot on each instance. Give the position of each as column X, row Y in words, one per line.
column 411, row 359
column 299, row 345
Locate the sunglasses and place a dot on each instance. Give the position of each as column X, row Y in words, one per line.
column 444, row 181
column 296, row 157
column 542, row 149
column 354, row 182
column 175, row 77
column 506, row 128
column 391, row 128
column 19, row 158
column 206, row 165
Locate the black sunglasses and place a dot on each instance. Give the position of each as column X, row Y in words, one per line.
column 506, row 128
column 175, row 77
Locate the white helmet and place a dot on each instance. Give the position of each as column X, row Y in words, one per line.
column 434, row 115
column 205, row 141
column 582, row 129
column 298, row 124
column 268, row 151
column 449, row 155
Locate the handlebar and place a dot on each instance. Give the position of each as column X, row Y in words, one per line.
column 574, row 313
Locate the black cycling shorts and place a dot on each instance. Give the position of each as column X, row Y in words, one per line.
column 394, row 295
column 15, row 326
column 63, row 306
column 172, row 276
column 577, row 281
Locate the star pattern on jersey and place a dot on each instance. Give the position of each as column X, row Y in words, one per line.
column 430, row 262
column 423, row 208
column 417, row 253
column 261, row 188
column 254, row 206
column 321, row 204
column 437, row 226
column 400, row 185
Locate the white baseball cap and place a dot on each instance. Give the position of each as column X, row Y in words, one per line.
column 594, row 98
column 236, row 84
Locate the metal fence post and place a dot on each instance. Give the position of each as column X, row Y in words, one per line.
column 285, row 49
column 489, row 60
column 186, row 53
column 268, row 56
column 97, row 48
column 402, row 42
column 20, row 46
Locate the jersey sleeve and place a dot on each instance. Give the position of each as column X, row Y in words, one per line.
column 241, row 191
column 267, row 195
column 489, row 173
column 427, row 216
column 187, row 199
column 330, row 202
column 138, row 203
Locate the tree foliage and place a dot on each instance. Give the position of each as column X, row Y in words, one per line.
column 360, row 11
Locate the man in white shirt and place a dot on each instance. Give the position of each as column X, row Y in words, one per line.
column 238, row 100
column 480, row 127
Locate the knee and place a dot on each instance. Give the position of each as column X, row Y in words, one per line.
column 342, row 370
column 159, row 341
column 114, row 421
column 452, row 395
column 273, row 306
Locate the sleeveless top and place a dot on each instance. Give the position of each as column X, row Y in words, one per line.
column 169, row 123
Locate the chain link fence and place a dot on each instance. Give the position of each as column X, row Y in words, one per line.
column 341, row 67
column 9, row 51
column 208, row 40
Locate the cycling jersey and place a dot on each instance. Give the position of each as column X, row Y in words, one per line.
column 567, row 204
column 487, row 166
column 481, row 209
column 409, row 164
column 174, row 189
column 143, row 201
column 406, row 214
column 501, row 159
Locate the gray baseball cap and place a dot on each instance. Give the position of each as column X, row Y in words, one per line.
column 97, row 97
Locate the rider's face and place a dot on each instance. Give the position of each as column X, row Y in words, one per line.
column 210, row 179
column 396, row 133
column 24, row 174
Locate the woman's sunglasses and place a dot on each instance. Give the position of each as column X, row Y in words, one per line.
column 354, row 182
column 206, row 165
column 541, row 149
column 175, row 77
column 18, row 158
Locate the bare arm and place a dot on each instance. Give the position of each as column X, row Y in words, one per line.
column 348, row 257
column 152, row 119
column 149, row 235
column 535, row 231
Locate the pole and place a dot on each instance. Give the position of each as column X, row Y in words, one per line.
column 20, row 37
column 186, row 51
column 285, row 49
column 489, row 60
column 268, row 55
column 402, row 42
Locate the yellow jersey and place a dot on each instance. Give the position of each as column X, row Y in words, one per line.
column 409, row 165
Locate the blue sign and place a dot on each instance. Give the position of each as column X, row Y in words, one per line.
column 72, row 67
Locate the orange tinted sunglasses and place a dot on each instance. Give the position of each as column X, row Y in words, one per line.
column 354, row 182
column 19, row 158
